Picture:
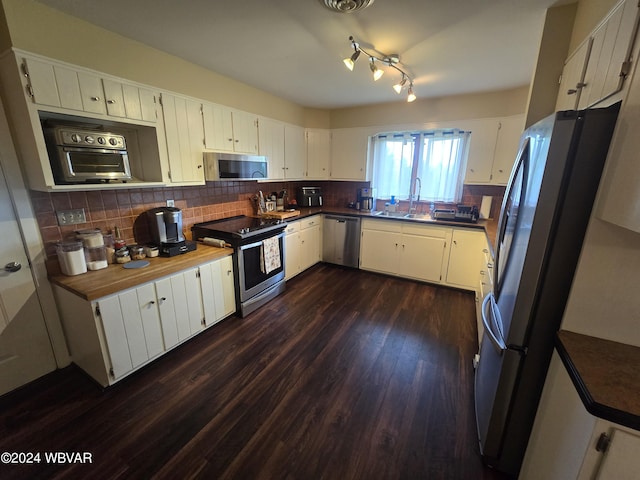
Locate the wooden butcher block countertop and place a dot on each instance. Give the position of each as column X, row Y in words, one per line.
column 100, row 283
column 606, row 375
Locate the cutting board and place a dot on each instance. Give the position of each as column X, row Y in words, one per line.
column 281, row 215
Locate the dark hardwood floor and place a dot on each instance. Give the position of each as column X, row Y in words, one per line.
column 347, row 375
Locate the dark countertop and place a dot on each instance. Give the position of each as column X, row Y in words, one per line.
column 490, row 226
column 606, row 375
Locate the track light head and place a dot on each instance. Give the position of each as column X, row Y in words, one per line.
column 410, row 95
column 377, row 73
column 400, row 85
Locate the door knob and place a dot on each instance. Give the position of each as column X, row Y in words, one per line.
column 12, row 267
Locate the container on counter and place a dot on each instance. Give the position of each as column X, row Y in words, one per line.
column 122, row 255
column 96, row 258
column 110, row 247
column 91, row 237
column 71, row 258
column 137, row 252
column 151, row 251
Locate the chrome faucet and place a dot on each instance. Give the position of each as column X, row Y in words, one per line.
column 417, row 185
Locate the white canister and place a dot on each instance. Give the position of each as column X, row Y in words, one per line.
column 91, row 238
column 96, row 258
column 71, row 258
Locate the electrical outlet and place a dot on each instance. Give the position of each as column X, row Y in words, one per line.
column 71, row 217
column 171, row 203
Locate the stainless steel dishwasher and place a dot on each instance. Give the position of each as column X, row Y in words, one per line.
column 341, row 240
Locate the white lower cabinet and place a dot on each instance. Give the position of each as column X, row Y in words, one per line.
column 465, row 257
column 218, row 293
column 568, row 442
column 115, row 335
column 302, row 245
column 404, row 249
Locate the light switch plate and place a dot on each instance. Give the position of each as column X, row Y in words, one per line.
column 71, row 217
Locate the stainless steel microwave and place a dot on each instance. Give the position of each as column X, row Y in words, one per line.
column 78, row 155
column 233, row 166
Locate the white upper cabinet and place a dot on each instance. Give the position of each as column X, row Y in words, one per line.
column 228, row 130
column 271, row 145
column 572, row 80
column 349, row 150
column 493, row 149
column 295, row 153
column 318, row 153
column 609, row 60
column 184, row 135
column 59, row 86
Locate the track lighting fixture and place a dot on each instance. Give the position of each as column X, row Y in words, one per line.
column 391, row 61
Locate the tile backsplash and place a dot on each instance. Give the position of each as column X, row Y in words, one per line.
column 106, row 209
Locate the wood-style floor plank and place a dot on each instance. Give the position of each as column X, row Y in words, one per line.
column 347, row 375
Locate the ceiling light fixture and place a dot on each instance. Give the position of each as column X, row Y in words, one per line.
column 391, row 61
column 346, row 6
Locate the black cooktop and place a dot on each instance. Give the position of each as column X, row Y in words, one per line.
column 239, row 227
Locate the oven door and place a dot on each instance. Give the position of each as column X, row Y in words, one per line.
column 82, row 164
column 260, row 265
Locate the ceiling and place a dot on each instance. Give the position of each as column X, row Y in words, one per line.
column 294, row 48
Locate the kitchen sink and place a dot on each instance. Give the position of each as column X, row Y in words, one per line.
column 413, row 216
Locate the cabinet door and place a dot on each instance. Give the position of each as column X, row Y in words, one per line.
column 148, row 105
column 310, row 246
column 465, row 257
column 150, row 318
column 68, row 88
column 482, row 147
column 621, row 460
column 183, row 130
column 115, row 335
column 295, row 154
column 42, row 79
column 245, row 133
column 168, row 316
column 509, row 132
column 349, row 150
column 114, row 98
column 379, row 251
column 607, row 67
column 421, row 257
column 292, row 254
column 318, row 153
column 194, row 305
column 572, row 80
column 218, row 127
column 188, row 316
column 133, row 326
column 271, row 145
column 228, row 287
column 92, row 93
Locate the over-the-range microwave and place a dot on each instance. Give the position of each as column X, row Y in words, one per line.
column 233, row 166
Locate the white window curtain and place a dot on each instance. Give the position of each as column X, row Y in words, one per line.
column 437, row 157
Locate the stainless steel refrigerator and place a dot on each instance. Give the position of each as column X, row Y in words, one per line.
column 542, row 224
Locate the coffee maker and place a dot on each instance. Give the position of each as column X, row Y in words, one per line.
column 367, row 199
column 166, row 231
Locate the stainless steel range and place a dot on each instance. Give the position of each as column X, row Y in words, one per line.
column 258, row 256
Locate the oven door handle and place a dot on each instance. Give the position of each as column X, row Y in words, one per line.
column 257, row 244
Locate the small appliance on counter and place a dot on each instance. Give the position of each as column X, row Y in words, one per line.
column 367, row 199
column 166, row 231
column 462, row 213
column 309, row 197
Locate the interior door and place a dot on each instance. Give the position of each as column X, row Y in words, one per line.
column 25, row 348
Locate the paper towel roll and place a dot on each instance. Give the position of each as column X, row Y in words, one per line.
column 485, row 207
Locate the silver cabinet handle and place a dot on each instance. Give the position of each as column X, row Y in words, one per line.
column 111, row 102
column 12, row 267
column 95, row 99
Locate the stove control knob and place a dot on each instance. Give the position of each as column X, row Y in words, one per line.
column 244, row 230
column 76, row 138
column 101, row 140
column 113, row 141
column 89, row 139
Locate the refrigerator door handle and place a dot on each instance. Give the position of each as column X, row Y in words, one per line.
column 495, row 337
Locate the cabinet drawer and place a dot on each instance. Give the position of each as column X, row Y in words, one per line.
column 381, row 225
column 426, row 230
column 309, row 222
column 292, row 227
